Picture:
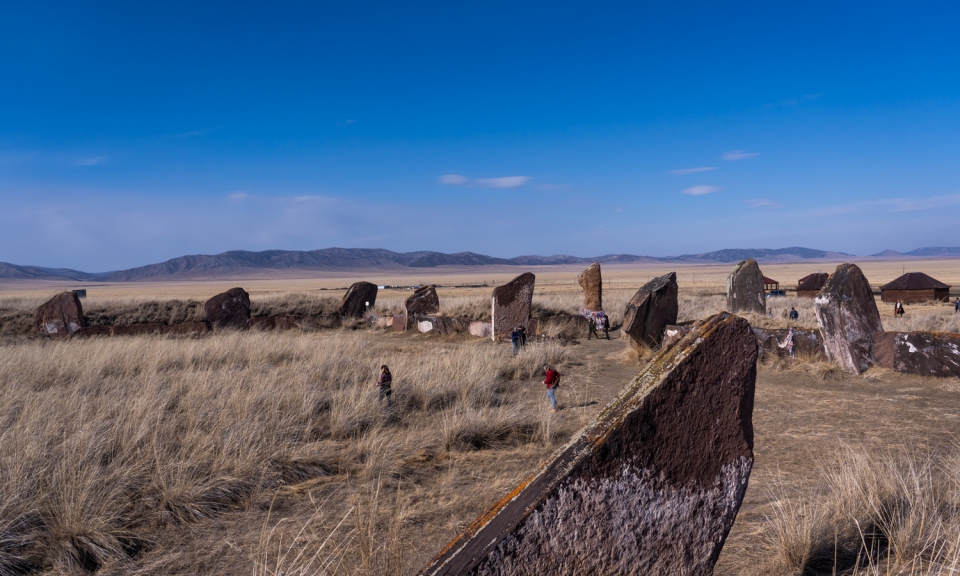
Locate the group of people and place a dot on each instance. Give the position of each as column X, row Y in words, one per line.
column 598, row 321
column 518, row 338
column 551, row 379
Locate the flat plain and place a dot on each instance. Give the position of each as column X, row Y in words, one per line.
column 267, row 453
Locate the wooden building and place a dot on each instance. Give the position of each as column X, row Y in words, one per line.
column 914, row 287
column 809, row 286
column 770, row 284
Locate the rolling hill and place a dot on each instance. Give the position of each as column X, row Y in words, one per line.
column 239, row 262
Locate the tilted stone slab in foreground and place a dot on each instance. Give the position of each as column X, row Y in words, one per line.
column 60, row 316
column 355, row 302
column 745, row 291
column 651, row 487
column 511, row 304
column 920, row 353
column 651, row 309
column 848, row 318
column 592, row 283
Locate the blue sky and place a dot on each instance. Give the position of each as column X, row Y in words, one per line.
column 133, row 132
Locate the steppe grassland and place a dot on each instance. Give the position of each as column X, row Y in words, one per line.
column 111, row 446
column 188, row 456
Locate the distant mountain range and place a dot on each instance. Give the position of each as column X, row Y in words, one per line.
column 240, row 262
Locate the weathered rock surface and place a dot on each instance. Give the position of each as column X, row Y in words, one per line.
column 399, row 323
column 230, row 309
column 805, row 342
column 652, row 308
column 354, row 302
column 920, row 353
column 423, row 302
column 672, row 335
column 61, row 315
column 481, row 329
column 592, row 284
column 745, row 291
column 848, row 317
column 274, row 323
column 511, row 304
column 650, row 487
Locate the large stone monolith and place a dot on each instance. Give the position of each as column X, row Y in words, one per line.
column 592, row 284
column 511, row 304
column 653, row 307
column 848, row 317
column 423, row 302
column 60, row 316
column 231, row 309
column 920, row 353
column 652, row 486
column 745, row 288
column 355, row 302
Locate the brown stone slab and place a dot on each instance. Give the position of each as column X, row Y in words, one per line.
column 745, row 292
column 920, row 353
column 651, row 487
column 230, row 309
column 511, row 304
column 61, row 315
column 592, row 283
column 652, row 308
column 848, row 318
column 805, row 342
column 355, row 302
column 423, row 302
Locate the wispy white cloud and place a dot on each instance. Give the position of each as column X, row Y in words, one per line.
column 692, row 170
column 762, row 203
column 888, row 205
column 700, row 190
column 90, row 161
column 503, row 182
column 237, row 196
column 738, row 155
column 453, row 180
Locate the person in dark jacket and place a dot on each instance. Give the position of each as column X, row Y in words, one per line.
column 515, row 339
column 384, row 383
column 592, row 328
column 794, row 315
column 523, row 336
column 956, row 306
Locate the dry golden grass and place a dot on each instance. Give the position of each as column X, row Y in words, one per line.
column 106, row 445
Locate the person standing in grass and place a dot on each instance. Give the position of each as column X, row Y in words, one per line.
column 523, row 336
column 956, row 306
column 603, row 323
column 515, row 339
column 794, row 314
column 551, row 379
column 384, row 383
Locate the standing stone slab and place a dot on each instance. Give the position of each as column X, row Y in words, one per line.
column 920, row 353
column 848, row 317
column 653, row 307
column 745, row 288
column 481, row 329
column 651, row 487
column 230, row 309
column 354, row 303
column 423, row 302
column 60, row 316
column 511, row 304
column 592, row 284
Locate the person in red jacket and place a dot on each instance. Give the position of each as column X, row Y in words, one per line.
column 551, row 378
